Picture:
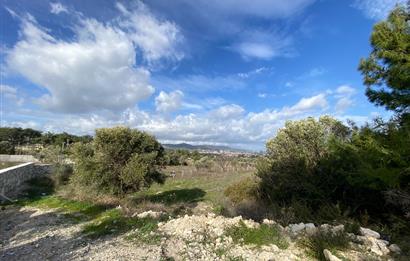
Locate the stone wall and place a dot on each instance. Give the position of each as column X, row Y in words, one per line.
column 12, row 179
column 17, row 158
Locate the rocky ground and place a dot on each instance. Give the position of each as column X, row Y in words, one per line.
column 33, row 234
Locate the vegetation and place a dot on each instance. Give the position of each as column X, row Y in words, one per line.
column 262, row 235
column 120, row 160
column 389, row 63
column 325, row 239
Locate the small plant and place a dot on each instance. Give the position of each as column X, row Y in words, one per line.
column 243, row 190
column 325, row 239
column 114, row 222
column 262, row 235
column 352, row 227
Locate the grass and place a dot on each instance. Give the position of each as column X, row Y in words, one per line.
column 4, row 165
column 262, row 235
column 208, row 188
column 114, row 222
column 324, row 239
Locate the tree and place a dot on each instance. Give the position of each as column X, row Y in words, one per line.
column 119, row 160
column 387, row 70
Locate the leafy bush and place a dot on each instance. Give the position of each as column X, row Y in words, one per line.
column 62, row 174
column 242, row 190
column 6, row 148
column 119, row 160
column 326, row 163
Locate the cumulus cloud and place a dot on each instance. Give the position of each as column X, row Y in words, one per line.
column 57, row 8
column 344, row 95
column 228, row 124
column 228, row 111
column 97, row 70
column 377, row 9
column 157, row 39
column 169, row 102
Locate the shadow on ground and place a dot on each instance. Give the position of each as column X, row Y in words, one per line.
column 175, row 196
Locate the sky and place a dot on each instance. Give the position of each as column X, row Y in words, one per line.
column 204, row 72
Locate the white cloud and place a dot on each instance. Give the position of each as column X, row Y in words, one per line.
column 377, row 9
column 228, row 111
column 11, row 95
column 264, row 45
column 57, row 8
column 307, row 104
column 168, row 102
column 262, row 95
column 227, row 124
column 344, row 95
column 256, row 71
column 97, row 70
column 157, row 39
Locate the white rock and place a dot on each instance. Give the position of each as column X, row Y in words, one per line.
column 268, row 222
column 338, row 228
column 369, row 233
column 329, row 256
column 395, row 248
column 149, row 213
column 310, row 228
column 296, row 228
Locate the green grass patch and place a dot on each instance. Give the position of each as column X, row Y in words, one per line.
column 114, row 222
column 263, row 235
column 78, row 210
column 325, row 239
column 191, row 189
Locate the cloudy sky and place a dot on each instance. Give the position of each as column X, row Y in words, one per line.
column 205, row 71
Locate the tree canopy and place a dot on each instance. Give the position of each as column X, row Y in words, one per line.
column 386, row 72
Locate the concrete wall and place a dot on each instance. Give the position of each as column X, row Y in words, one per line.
column 12, row 179
column 17, row 158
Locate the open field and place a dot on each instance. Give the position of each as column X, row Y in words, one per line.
column 188, row 186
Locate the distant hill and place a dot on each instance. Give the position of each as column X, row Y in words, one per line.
column 186, row 146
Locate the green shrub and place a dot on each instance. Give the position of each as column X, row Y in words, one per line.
column 119, row 160
column 325, row 239
column 243, row 190
column 62, row 174
column 6, row 148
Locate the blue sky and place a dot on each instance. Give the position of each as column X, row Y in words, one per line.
column 206, row 71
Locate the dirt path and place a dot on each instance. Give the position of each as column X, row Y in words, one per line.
column 34, row 234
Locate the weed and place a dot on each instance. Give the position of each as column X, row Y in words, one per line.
column 262, row 235
column 114, row 222
column 325, row 239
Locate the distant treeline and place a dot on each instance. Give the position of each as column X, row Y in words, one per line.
column 10, row 138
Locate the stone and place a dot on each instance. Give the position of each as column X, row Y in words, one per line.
column 395, row 248
column 150, row 213
column 339, row 228
column 369, row 233
column 296, row 228
column 268, row 222
column 379, row 247
column 310, row 228
column 329, row 256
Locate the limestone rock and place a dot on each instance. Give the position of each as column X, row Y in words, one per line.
column 395, row 248
column 149, row 213
column 369, row 233
column 329, row 256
